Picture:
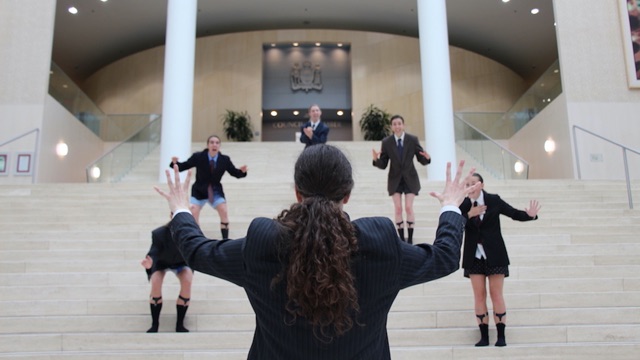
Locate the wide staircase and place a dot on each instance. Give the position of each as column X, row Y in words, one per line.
column 72, row 287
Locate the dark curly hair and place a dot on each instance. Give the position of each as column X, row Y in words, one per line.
column 317, row 244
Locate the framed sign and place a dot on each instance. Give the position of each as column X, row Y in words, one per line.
column 630, row 24
column 24, row 163
column 4, row 164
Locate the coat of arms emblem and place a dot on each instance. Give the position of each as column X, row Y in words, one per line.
column 306, row 77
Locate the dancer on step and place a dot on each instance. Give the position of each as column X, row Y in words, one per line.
column 210, row 165
column 162, row 256
column 314, row 131
column 399, row 148
column 485, row 253
column 321, row 285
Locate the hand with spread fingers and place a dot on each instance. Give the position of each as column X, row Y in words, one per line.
column 178, row 195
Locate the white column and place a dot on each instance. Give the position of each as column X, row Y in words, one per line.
column 177, row 97
column 436, row 86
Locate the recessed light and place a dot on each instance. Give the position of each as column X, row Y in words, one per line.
column 295, row 44
column 535, row 11
column 73, row 10
column 274, row 113
column 505, row 1
column 318, row 44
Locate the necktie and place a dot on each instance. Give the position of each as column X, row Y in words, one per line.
column 313, row 126
column 212, row 166
column 400, row 146
column 477, row 218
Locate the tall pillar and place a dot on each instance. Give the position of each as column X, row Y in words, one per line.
column 177, row 96
column 436, row 86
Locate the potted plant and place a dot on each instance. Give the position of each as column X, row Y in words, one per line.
column 237, row 125
column 375, row 124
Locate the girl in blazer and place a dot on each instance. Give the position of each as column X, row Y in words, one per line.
column 399, row 148
column 210, row 165
column 485, row 253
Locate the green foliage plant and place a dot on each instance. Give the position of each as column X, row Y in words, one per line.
column 237, row 125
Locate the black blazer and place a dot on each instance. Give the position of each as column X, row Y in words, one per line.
column 319, row 134
column 488, row 230
column 402, row 167
column 382, row 267
column 204, row 176
column 163, row 251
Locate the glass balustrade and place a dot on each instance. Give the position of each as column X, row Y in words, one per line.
column 114, row 165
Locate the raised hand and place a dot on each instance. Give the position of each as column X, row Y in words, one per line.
column 533, row 209
column 147, row 262
column 178, row 195
column 455, row 190
column 376, row 154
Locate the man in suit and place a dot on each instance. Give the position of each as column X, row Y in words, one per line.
column 399, row 148
column 314, row 131
column 485, row 253
column 163, row 255
column 321, row 286
column 210, row 164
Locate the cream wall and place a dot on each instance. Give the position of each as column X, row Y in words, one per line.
column 26, row 37
column 596, row 96
column 84, row 146
column 228, row 75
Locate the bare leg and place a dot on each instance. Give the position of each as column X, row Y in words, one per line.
column 155, row 300
column 411, row 217
column 195, row 211
column 182, row 304
column 224, row 220
column 478, row 283
column 496, row 287
column 397, row 213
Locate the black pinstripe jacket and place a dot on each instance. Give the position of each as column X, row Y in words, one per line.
column 382, row 267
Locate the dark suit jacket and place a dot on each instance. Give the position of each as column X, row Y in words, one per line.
column 319, row 134
column 163, row 251
column 382, row 266
column 488, row 230
column 402, row 167
column 204, row 176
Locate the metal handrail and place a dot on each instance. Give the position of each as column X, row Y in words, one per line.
column 35, row 151
column 624, row 157
column 501, row 147
column 92, row 164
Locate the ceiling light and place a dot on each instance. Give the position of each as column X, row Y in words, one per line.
column 274, row 113
column 318, row 44
column 535, row 11
column 295, row 44
column 103, row 0
column 340, row 113
column 505, row 1
column 73, row 10
column 296, row 112
column 339, row 44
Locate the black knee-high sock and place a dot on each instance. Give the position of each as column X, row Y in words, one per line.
column 410, row 230
column 484, row 331
column 182, row 311
column 502, row 340
column 155, row 316
column 400, row 230
column 224, row 229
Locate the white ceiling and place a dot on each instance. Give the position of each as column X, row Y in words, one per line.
column 103, row 32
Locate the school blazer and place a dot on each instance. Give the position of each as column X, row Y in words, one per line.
column 163, row 251
column 382, row 267
column 320, row 134
column 401, row 166
column 488, row 230
column 204, row 176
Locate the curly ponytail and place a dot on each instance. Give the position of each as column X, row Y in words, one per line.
column 319, row 242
